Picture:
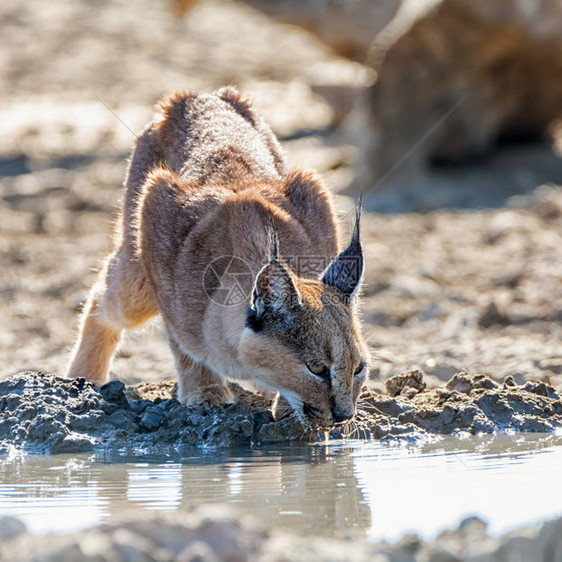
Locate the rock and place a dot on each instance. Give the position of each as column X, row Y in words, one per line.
column 152, row 419
column 538, row 387
column 518, row 548
column 442, row 555
column 463, row 382
column 473, row 527
column 347, row 26
column 410, row 379
column 460, row 75
column 197, row 551
column 73, row 443
column 139, row 406
column 122, row 419
column 389, row 407
column 11, row 527
column 550, row 540
column 509, row 381
column 113, row 392
column 553, row 364
column 491, row 316
column 409, row 392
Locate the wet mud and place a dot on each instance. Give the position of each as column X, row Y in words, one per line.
column 44, row 413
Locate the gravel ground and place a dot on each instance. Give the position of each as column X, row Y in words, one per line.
column 212, row 534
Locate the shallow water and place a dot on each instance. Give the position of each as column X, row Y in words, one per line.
column 365, row 488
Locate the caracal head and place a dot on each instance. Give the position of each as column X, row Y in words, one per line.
column 303, row 337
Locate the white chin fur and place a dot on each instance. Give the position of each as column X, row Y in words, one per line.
column 295, row 401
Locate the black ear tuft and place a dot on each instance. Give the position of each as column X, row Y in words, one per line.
column 253, row 320
column 273, row 241
column 345, row 273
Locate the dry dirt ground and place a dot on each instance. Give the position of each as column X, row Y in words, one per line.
column 445, row 290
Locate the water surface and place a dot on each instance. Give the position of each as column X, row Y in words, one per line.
column 360, row 488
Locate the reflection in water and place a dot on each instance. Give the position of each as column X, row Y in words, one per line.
column 510, row 481
column 500, row 444
column 305, row 488
column 51, row 495
column 359, row 488
column 158, row 488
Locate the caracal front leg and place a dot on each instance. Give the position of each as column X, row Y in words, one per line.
column 96, row 343
column 196, row 383
column 119, row 299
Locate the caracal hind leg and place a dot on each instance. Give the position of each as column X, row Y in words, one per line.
column 119, row 299
column 196, row 383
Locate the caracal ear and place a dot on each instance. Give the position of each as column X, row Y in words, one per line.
column 345, row 273
column 275, row 292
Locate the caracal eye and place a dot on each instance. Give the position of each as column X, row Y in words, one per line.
column 359, row 369
column 318, row 369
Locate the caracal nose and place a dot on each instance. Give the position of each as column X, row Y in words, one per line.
column 343, row 414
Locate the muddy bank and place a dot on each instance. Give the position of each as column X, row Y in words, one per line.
column 43, row 413
column 467, row 402
column 215, row 534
